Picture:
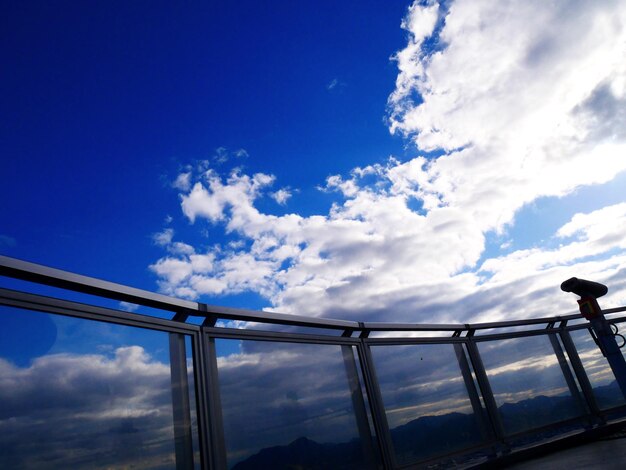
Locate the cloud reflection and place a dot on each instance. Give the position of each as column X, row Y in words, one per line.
column 86, row 411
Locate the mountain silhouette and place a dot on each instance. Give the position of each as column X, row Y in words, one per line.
column 428, row 436
column 303, row 454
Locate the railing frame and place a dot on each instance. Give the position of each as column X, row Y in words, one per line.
column 351, row 336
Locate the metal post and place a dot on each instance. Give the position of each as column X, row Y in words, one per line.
column 180, row 402
column 216, row 424
column 485, row 387
column 358, row 404
column 376, row 405
column 477, row 407
column 567, row 373
column 581, row 375
column 201, row 382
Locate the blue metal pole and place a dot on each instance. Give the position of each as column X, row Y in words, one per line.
column 589, row 292
column 610, row 349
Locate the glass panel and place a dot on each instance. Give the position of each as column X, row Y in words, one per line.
column 83, row 394
column 427, row 404
column 288, row 405
column 528, row 383
column 605, row 388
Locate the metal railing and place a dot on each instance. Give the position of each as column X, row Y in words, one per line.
column 394, row 395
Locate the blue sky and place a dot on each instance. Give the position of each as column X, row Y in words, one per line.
column 107, row 102
column 345, row 159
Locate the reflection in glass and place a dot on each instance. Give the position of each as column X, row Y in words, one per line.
column 605, row 388
column 288, row 405
column 82, row 394
column 528, row 383
column 427, row 404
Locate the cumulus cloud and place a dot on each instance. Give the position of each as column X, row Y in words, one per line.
column 163, row 238
column 55, row 410
column 506, row 104
column 281, row 196
column 128, row 307
column 212, row 197
column 373, row 254
column 513, row 99
column 182, row 181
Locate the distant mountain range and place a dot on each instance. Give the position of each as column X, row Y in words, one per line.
column 303, row 454
column 426, row 436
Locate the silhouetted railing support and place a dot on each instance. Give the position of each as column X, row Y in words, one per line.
column 360, row 411
column 567, row 373
column 581, row 375
column 473, row 395
column 180, row 402
column 487, row 393
column 379, row 416
column 216, row 420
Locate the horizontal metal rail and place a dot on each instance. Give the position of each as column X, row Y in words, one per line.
column 24, row 270
column 91, row 312
column 32, row 272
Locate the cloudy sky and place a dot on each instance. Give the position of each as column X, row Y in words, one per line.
column 435, row 161
column 446, row 161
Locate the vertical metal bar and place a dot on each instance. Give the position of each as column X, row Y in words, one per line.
column 201, row 382
column 485, row 387
column 358, row 404
column 477, row 407
column 376, row 404
column 216, row 423
column 581, row 375
column 567, row 373
column 180, row 402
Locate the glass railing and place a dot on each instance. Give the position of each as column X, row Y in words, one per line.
column 86, row 386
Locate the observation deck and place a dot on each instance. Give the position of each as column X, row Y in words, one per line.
column 160, row 382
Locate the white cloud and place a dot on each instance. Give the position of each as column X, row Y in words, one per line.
column 182, row 181
column 55, row 409
column 211, row 199
column 520, row 101
column 595, row 233
column 336, row 85
column 241, row 153
column 179, row 248
column 173, row 270
column 223, row 155
column 163, row 238
column 128, row 307
column 597, row 224
column 281, row 196
column 505, row 99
